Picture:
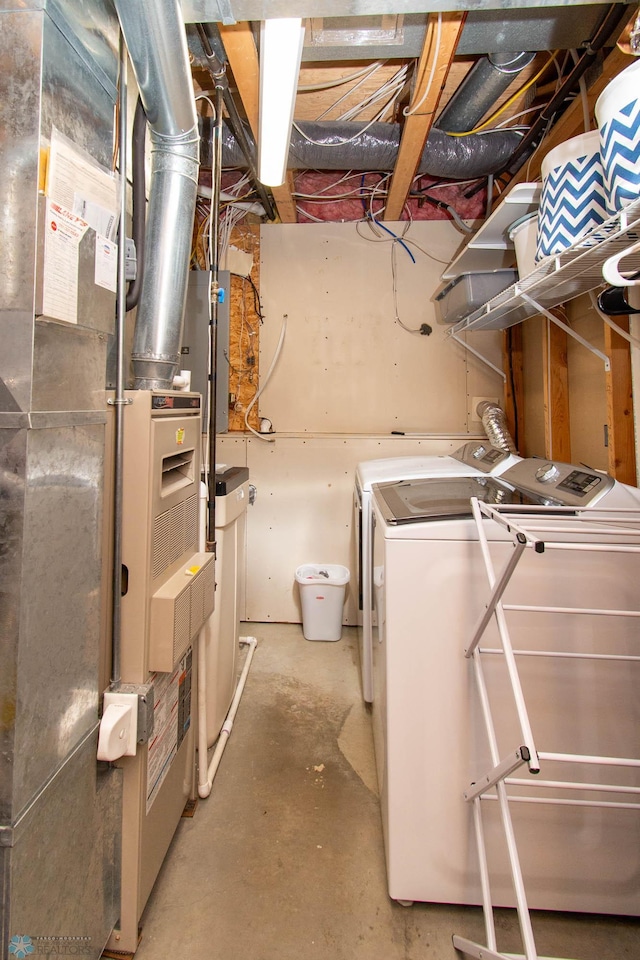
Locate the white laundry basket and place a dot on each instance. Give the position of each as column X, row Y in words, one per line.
column 322, row 593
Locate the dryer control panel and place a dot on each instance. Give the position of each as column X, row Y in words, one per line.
column 574, row 486
column 481, row 455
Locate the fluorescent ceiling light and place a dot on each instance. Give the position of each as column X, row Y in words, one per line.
column 280, row 54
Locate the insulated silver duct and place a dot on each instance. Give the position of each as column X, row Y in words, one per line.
column 495, row 426
column 485, row 82
column 338, row 146
column 155, row 37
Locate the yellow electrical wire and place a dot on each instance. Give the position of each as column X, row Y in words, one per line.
column 507, row 103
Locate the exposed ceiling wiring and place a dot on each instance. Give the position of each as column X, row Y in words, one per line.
column 393, row 86
column 410, row 110
column 339, row 143
column 345, row 96
column 328, row 84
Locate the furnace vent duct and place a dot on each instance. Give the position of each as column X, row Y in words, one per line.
column 495, row 426
column 155, row 37
column 484, row 84
column 376, row 148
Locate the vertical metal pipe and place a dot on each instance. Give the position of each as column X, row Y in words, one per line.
column 139, row 201
column 215, row 292
column 119, row 400
column 157, row 43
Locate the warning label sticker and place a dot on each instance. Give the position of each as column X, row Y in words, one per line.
column 171, row 721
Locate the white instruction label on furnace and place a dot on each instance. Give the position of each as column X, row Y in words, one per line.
column 62, row 235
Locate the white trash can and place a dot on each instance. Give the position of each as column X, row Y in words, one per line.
column 322, row 593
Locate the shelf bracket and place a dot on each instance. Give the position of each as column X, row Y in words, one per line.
column 567, row 329
column 476, row 353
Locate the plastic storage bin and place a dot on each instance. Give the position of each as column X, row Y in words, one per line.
column 573, row 196
column 471, row 290
column 523, row 233
column 618, row 114
column 322, row 593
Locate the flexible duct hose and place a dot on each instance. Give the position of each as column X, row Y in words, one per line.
column 377, row 149
column 495, row 426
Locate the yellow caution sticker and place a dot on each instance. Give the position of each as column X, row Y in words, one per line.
column 180, row 435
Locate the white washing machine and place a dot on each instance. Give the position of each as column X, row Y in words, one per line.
column 430, row 588
column 474, row 458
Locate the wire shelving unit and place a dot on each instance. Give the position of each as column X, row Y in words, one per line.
column 562, row 277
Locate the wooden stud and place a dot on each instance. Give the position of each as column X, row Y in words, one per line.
column 619, row 387
column 417, row 125
column 557, row 434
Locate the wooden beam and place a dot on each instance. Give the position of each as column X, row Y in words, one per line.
column 417, row 125
column 621, row 449
column 241, row 52
column 513, row 398
column 555, row 374
column 240, row 48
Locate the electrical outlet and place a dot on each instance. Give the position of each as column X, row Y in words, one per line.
column 473, row 413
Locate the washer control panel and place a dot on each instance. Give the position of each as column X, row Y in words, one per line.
column 563, row 482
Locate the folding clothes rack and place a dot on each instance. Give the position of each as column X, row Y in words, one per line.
column 607, row 531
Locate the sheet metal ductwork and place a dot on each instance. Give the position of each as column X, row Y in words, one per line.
column 495, row 426
column 341, row 147
column 155, row 37
column 485, row 82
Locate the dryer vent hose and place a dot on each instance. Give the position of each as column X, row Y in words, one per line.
column 495, row 426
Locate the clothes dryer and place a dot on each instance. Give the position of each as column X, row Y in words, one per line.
column 474, row 458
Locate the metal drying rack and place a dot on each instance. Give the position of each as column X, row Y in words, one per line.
column 539, row 531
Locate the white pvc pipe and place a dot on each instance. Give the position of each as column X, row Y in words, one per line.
column 205, row 781
column 202, row 714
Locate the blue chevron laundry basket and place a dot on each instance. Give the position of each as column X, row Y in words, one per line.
column 573, row 195
column 618, row 115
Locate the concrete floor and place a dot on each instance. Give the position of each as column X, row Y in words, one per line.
column 285, row 861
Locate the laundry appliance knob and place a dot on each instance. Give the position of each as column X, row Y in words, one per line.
column 547, row 473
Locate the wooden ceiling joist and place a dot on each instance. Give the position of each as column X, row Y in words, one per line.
column 417, row 125
column 242, row 54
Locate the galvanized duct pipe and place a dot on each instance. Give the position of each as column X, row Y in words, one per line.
column 155, row 37
column 484, row 84
column 495, row 426
column 377, row 149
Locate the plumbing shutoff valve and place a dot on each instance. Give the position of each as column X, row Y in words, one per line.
column 118, row 727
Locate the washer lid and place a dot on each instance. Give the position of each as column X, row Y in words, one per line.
column 413, row 501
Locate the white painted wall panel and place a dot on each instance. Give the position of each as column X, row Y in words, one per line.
column 303, row 511
column 346, row 365
column 347, row 376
